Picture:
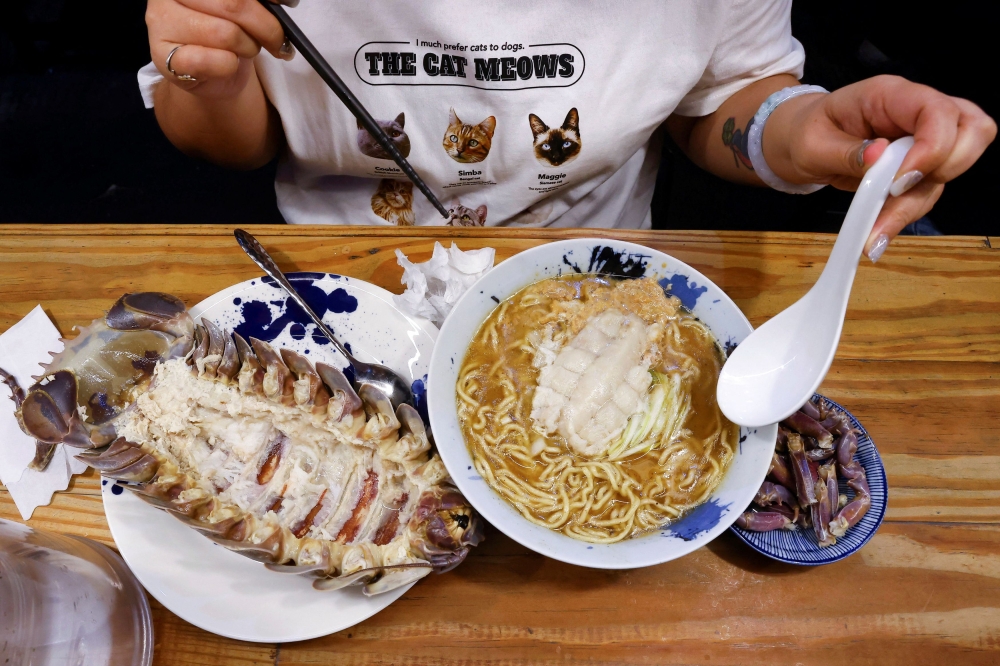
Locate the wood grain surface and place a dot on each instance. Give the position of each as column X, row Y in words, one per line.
column 918, row 364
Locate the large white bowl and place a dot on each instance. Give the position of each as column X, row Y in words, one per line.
column 698, row 294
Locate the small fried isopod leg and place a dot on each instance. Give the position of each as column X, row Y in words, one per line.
column 856, row 509
column 773, row 493
column 764, row 521
column 805, row 487
column 847, row 446
column 811, row 410
column 805, row 425
column 779, row 471
column 822, row 511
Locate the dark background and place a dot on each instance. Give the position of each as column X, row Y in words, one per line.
column 76, row 144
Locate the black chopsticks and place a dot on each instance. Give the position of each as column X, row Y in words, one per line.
column 340, row 89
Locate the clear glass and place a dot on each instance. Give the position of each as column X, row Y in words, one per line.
column 69, row 601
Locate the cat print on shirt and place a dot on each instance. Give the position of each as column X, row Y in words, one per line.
column 394, row 128
column 393, row 202
column 462, row 216
column 468, row 143
column 558, row 145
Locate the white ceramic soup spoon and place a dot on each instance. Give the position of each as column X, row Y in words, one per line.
column 781, row 364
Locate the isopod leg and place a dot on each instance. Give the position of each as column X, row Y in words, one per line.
column 764, row 521
column 822, row 511
column 855, row 509
column 278, row 383
column 811, row 410
column 382, row 420
column 229, row 367
column 804, row 486
column 780, row 471
column 309, row 389
column 251, row 375
column 771, row 493
column 847, row 445
column 397, row 576
column 805, row 425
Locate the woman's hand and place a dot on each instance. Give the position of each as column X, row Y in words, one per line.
column 835, row 138
column 215, row 107
column 218, row 39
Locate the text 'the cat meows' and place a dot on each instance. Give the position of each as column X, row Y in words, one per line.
column 543, row 68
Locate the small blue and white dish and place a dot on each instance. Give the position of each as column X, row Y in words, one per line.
column 801, row 546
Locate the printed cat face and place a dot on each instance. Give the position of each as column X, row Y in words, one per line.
column 393, row 202
column 558, row 145
column 468, row 143
column 462, row 216
column 394, row 128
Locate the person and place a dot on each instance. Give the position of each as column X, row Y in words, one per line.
column 536, row 114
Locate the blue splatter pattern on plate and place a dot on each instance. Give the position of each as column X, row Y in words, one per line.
column 801, row 546
column 260, row 308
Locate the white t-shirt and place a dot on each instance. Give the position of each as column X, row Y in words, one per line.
column 523, row 113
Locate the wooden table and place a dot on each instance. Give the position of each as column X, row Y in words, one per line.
column 918, row 364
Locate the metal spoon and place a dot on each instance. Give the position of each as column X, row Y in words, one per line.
column 780, row 365
column 385, row 380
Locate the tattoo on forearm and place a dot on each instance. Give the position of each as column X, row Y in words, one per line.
column 736, row 140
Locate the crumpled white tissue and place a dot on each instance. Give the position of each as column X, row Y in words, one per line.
column 23, row 347
column 433, row 287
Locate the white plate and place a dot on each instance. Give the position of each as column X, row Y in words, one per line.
column 587, row 255
column 214, row 588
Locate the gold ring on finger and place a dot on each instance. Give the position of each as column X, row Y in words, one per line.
column 181, row 77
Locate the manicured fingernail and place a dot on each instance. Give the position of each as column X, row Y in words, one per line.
column 287, row 51
column 861, row 151
column 878, row 247
column 905, row 182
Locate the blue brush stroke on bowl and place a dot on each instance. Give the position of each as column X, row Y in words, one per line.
column 700, row 519
column 571, row 264
column 605, row 260
column 801, row 546
column 687, row 292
